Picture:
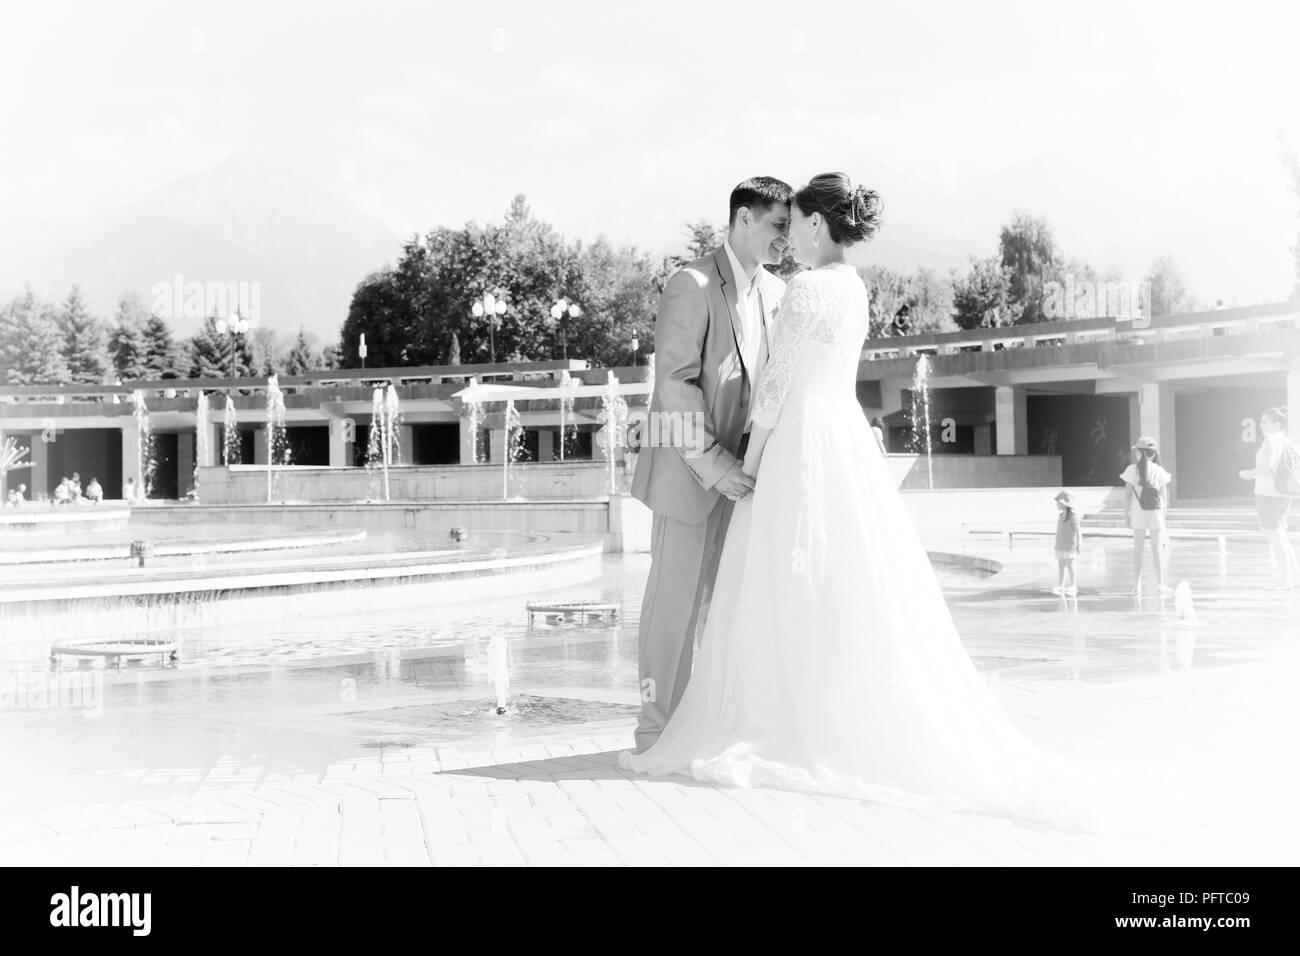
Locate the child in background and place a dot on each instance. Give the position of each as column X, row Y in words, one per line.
column 1069, row 541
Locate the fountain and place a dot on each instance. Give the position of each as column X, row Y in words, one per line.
column 614, row 416
column 921, row 414
column 475, row 419
column 202, row 438
column 514, row 446
column 1183, row 605
column 383, row 448
column 499, row 666
column 145, row 462
column 277, row 439
column 230, row 453
column 566, row 412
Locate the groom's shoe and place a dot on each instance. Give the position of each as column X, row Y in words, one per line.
column 625, row 759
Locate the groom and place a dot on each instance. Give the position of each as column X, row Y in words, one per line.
column 711, row 340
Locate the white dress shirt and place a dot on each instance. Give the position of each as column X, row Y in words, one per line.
column 753, row 337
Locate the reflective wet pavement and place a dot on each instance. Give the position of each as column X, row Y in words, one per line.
column 294, row 710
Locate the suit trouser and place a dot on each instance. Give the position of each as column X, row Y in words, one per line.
column 683, row 565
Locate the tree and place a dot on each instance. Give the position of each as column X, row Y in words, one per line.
column 31, row 343
column 302, row 357
column 213, row 354
column 453, row 350
column 268, row 353
column 1169, row 295
column 923, row 297
column 162, row 357
column 128, row 342
column 980, row 297
column 1029, row 257
column 85, row 341
column 702, row 237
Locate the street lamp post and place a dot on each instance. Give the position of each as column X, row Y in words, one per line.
column 636, row 344
column 490, row 306
column 235, row 325
column 559, row 310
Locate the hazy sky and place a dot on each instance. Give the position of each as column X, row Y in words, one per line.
column 630, row 118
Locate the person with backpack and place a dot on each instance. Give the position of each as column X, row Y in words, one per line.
column 1146, row 486
column 1275, row 474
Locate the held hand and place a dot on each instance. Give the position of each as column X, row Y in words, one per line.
column 735, row 484
column 1246, row 473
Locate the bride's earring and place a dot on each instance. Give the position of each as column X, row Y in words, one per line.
column 816, row 235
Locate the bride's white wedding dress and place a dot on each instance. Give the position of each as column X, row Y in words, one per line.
column 829, row 661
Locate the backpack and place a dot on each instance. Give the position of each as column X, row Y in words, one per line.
column 1148, row 496
column 1287, row 475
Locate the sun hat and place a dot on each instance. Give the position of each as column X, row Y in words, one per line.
column 1146, row 443
column 1064, row 496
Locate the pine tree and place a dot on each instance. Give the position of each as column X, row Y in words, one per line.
column 210, row 353
column 302, row 357
column 453, row 351
column 85, row 341
column 31, row 343
column 161, row 357
column 126, row 339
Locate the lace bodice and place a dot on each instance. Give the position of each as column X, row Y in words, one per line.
column 826, row 307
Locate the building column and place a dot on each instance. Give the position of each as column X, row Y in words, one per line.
column 130, row 460
column 1156, row 417
column 497, row 445
column 545, row 444
column 466, row 425
column 1012, row 421
column 1134, row 418
column 405, row 445
column 184, row 463
column 340, row 447
column 259, row 446
column 213, row 449
column 1293, row 394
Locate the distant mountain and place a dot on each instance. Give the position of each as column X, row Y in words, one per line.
column 1105, row 224
column 242, row 221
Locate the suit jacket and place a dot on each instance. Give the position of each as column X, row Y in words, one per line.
column 701, row 384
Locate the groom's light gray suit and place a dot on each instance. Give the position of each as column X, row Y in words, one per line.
column 701, row 376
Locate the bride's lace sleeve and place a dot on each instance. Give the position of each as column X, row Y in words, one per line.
column 796, row 321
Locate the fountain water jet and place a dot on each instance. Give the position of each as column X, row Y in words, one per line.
column 566, row 411
column 202, row 438
column 514, row 446
column 475, row 419
column 230, row 453
column 499, row 664
column 921, row 405
column 614, row 433
column 146, row 464
column 383, row 448
column 277, row 440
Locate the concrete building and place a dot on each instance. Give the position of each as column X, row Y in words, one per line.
column 1041, row 405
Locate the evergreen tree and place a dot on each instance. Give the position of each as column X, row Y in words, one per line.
column 213, row 354
column 85, row 341
column 453, row 350
column 127, row 343
column 31, row 343
column 302, row 357
column 161, row 355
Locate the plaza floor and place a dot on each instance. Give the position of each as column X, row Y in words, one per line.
column 373, row 740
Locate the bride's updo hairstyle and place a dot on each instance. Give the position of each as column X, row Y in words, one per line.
column 852, row 213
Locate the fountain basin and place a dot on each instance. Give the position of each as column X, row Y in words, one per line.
column 40, row 518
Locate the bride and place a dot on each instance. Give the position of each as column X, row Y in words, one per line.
column 829, row 662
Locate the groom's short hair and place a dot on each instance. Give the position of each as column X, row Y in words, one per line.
column 760, row 194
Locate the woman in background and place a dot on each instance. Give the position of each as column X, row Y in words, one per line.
column 1147, row 492
column 1270, row 502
